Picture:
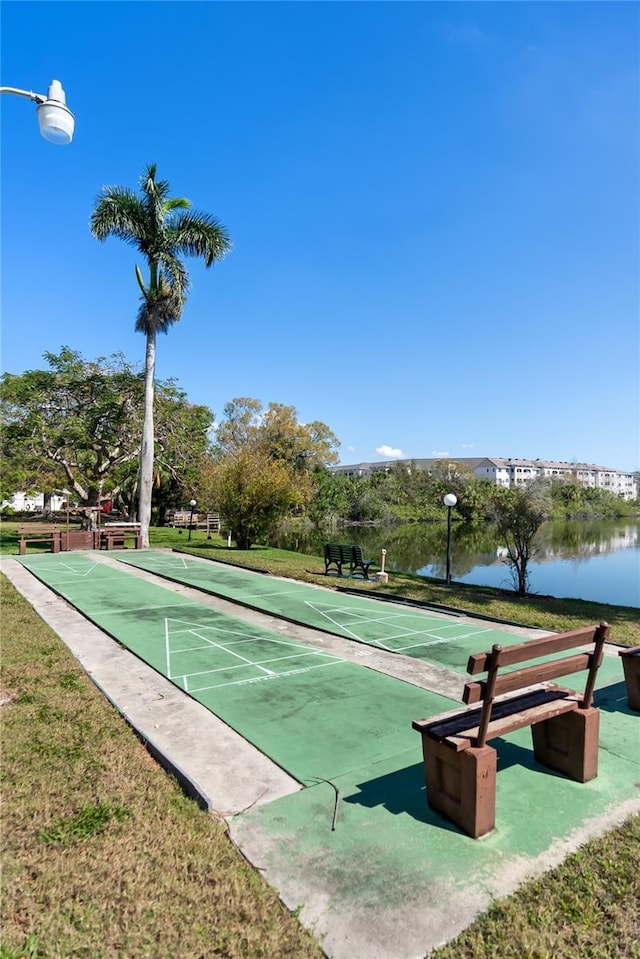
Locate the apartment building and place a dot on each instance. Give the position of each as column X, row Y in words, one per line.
column 516, row 472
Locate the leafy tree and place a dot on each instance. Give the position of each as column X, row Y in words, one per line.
column 265, row 464
column 252, row 491
column 163, row 229
column 518, row 514
column 276, row 432
column 77, row 425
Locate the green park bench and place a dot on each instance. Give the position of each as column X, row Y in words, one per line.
column 340, row 555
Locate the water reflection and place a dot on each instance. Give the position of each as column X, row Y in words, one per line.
column 574, row 558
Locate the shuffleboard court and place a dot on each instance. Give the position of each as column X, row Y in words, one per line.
column 437, row 639
column 314, row 714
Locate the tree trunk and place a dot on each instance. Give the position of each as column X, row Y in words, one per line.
column 147, row 449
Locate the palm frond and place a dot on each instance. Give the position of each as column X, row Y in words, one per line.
column 119, row 213
column 174, row 273
column 177, row 203
column 199, row 234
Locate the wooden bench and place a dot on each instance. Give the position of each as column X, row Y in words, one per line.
column 114, row 534
column 339, row 555
column 39, row 533
column 631, row 666
column 460, row 768
column 182, row 518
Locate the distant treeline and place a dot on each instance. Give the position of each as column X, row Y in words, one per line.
column 402, row 494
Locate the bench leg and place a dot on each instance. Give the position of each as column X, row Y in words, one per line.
column 631, row 666
column 462, row 785
column 22, row 548
column 569, row 743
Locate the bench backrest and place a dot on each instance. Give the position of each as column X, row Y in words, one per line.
column 333, row 552
column 494, row 685
column 37, row 528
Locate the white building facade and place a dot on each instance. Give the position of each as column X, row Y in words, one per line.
column 33, row 502
column 512, row 473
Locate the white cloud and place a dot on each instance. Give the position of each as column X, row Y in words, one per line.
column 385, row 450
column 439, row 454
column 467, row 446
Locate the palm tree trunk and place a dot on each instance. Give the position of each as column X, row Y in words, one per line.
column 147, row 449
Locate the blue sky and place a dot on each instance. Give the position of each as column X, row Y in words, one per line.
column 434, row 209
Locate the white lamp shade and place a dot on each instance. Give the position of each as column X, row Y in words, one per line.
column 192, row 503
column 56, row 122
column 450, row 499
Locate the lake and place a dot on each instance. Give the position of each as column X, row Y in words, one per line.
column 596, row 560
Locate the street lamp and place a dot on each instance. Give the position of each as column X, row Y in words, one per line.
column 192, row 504
column 54, row 116
column 449, row 500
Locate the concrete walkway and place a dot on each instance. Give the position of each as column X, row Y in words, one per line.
column 388, row 881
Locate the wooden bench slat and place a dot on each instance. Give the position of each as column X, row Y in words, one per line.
column 466, row 721
column 541, row 673
column 532, row 649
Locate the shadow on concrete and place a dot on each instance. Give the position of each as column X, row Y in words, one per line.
column 613, row 699
column 403, row 791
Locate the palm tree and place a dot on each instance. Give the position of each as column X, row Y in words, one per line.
column 162, row 229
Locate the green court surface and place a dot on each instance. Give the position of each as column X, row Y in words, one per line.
column 389, row 857
column 438, row 639
column 389, row 852
column 314, row 714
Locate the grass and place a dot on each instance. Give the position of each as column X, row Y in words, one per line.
column 103, row 855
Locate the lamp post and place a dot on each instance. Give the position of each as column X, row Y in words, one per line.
column 192, row 504
column 449, row 501
column 54, row 116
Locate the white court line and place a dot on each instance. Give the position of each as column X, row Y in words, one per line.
column 166, row 647
column 251, row 639
column 231, row 653
column 52, row 581
column 434, row 642
column 277, row 592
column 219, row 629
column 344, row 628
column 173, row 563
column 387, row 620
column 279, row 659
column 259, row 679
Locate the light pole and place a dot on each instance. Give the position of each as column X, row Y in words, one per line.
column 449, row 500
column 54, row 116
column 192, row 504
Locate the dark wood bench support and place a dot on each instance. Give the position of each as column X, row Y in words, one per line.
column 460, row 767
column 462, row 785
column 631, row 665
column 569, row 743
